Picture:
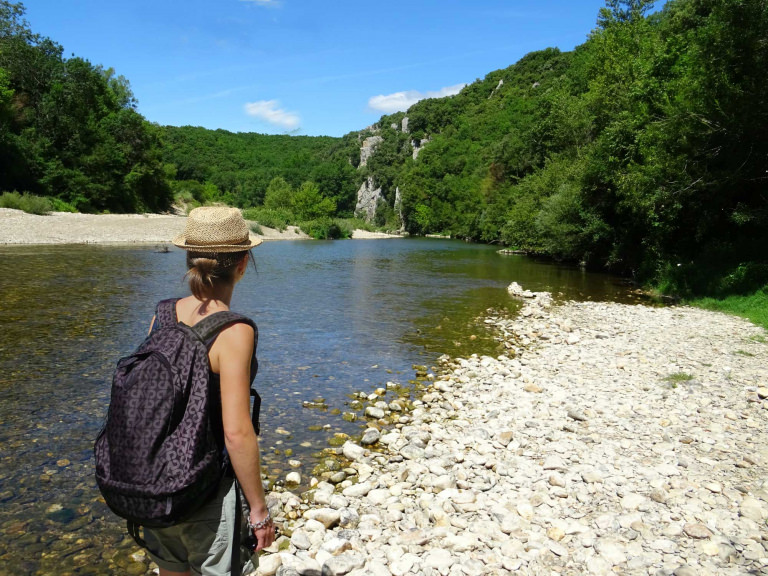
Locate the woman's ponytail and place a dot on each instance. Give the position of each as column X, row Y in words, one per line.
column 207, row 270
column 201, row 276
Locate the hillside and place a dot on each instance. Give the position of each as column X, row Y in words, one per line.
column 642, row 152
column 238, row 167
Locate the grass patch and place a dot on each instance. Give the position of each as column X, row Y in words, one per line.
column 759, row 338
column 743, row 353
column 678, row 377
column 186, row 201
column 27, row 202
column 753, row 307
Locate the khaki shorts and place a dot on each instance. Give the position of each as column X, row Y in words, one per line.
column 202, row 543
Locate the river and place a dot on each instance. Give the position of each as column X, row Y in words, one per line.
column 335, row 319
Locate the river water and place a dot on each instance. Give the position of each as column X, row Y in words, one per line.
column 335, row 318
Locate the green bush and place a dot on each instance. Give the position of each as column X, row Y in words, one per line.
column 60, row 206
column 744, row 278
column 26, row 202
column 327, row 228
column 278, row 218
column 11, row 200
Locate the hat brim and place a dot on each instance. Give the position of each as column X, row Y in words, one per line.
column 181, row 242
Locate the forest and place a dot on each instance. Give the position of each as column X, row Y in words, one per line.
column 643, row 151
column 69, row 130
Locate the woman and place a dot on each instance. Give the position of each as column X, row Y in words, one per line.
column 218, row 243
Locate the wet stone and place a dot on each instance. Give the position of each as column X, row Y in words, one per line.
column 370, row 436
column 374, row 412
column 61, row 515
column 337, row 477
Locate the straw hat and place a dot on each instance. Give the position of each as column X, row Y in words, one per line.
column 216, row 229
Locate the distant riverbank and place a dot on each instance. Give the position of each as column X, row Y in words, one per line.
column 20, row 228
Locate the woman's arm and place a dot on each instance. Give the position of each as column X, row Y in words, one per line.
column 231, row 358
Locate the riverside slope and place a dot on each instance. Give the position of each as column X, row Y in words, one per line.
column 610, row 439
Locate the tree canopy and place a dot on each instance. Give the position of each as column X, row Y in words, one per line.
column 69, row 130
column 240, row 166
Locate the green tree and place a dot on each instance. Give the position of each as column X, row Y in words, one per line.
column 623, row 11
column 279, row 194
column 308, row 204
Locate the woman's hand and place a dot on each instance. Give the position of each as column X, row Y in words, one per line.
column 263, row 529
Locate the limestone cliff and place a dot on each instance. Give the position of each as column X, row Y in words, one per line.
column 368, row 147
column 370, row 194
column 418, row 145
column 367, row 199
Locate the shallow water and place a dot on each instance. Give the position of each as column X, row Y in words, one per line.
column 334, row 318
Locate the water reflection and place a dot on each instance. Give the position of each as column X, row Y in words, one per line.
column 334, row 318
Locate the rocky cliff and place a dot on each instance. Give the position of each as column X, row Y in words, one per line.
column 367, row 198
column 369, row 193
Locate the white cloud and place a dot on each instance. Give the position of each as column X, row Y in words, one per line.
column 269, row 111
column 401, row 101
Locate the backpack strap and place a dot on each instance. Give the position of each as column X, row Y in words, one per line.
column 235, row 568
column 165, row 313
column 208, row 329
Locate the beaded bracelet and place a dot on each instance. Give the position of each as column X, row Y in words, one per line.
column 261, row 523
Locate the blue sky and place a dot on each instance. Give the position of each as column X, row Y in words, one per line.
column 303, row 66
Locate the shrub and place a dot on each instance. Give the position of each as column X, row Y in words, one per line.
column 60, row 206
column 278, row 218
column 26, row 202
column 11, row 200
column 279, row 194
column 327, row 228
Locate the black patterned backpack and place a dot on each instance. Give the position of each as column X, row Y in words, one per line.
column 157, row 456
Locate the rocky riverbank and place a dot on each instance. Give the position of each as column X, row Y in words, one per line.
column 609, row 439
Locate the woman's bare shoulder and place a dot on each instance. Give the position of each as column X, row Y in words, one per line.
column 238, row 330
column 236, row 339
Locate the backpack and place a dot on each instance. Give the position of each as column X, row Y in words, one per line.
column 157, row 455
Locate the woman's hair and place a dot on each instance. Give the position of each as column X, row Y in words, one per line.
column 207, row 270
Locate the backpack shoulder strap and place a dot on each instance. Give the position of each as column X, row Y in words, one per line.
column 165, row 313
column 208, row 328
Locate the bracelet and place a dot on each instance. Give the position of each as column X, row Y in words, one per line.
column 261, row 523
